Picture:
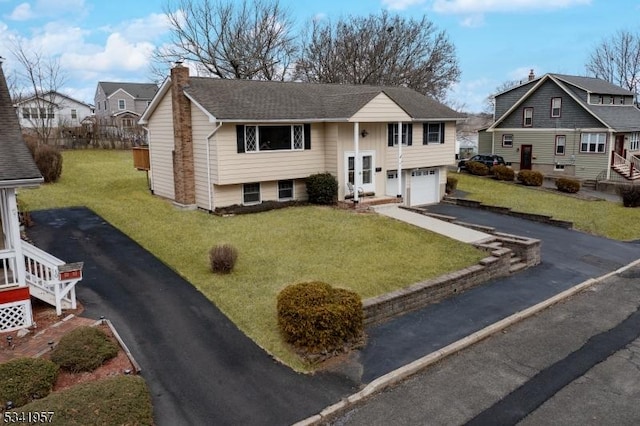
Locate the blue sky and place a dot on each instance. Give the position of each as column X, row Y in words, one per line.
column 496, row 40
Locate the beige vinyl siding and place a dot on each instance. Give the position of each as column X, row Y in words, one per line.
column 430, row 155
column 227, row 195
column 233, row 167
column 331, row 148
column 160, row 149
column 201, row 129
column 380, row 109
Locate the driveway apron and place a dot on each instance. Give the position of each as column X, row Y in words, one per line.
column 199, row 367
column 569, row 257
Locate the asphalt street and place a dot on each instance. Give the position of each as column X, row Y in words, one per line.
column 200, row 368
column 575, row 363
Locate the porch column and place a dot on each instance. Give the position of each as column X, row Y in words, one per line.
column 611, row 144
column 13, row 237
column 400, row 159
column 356, row 163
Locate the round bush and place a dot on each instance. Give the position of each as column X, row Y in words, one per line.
column 222, row 258
column 477, row 168
column 83, row 349
column 452, row 184
column 49, row 162
column 322, row 188
column 318, row 318
column 25, row 379
column 530, row 177
column 570, row 186
column 630, row 195
column 501, row 172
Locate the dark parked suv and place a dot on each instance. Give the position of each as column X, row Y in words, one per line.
column 488, row 160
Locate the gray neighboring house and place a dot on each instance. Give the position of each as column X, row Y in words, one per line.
column 121, row 105
column 567, row 125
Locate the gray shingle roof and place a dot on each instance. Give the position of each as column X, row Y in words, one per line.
column 594, row 85
column 16, row 163
column 269, row 100
column 621, row 118
column 144, row 91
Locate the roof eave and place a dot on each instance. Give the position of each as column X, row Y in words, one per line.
column 21, row 183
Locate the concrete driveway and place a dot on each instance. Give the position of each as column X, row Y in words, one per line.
column 200, row 368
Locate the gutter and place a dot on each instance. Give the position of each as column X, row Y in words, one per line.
column 208, row 141
column 28, row 183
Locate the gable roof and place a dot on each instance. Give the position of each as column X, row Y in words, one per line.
column 17, row 167
column 51, row 97
column 145, row 91
column 251, row 100
column 616, row 117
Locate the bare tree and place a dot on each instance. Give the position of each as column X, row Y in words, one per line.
column 251, row 39
column 380, row 49
column 490, row 101
column 617, row 60
column 38, row 79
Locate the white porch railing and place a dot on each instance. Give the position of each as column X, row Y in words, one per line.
column 8, row 277
column 43, row 275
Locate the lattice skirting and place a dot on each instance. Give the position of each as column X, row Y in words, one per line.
column 15, row 315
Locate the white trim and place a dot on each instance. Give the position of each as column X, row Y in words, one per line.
column 251, row 203
column 357, row 171
column 293, row 189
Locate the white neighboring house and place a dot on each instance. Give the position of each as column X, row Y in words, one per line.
column 52, row 110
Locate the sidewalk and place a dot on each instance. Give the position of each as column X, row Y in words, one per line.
column 457, row 232
column 36, row 343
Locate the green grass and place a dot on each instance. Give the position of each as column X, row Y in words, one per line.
column 366, row 253
column 603, row 218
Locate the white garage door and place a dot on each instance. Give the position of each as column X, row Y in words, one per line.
column 425, row 187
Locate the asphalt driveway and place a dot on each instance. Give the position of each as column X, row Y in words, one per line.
column 200, row 368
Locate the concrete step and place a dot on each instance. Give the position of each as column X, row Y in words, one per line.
column 515, row 259
column 517, row 267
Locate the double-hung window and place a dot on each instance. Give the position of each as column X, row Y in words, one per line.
column 392, row 131
column 251, row 193
column 561, row 142
column 556, row 107
column 285, row 190
column 593, row 142
column 507, row 141
column 74, row 114
column 527, row 117
column 634, row 141
column 433, row 133
column 122, row 104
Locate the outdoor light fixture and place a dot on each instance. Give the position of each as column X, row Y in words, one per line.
column 9, row 341
column 127, row 371
column 364, row 133
column 9, row 405
column 50, row 343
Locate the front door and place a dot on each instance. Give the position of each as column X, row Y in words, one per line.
column 525, row 157
column 620, row 145
column 366, row 161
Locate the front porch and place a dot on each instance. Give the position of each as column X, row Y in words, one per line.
column 365, row 201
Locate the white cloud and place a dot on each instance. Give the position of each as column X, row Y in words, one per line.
column 22, row 12
column 473, row 21
column 401, row 4
column 142, row 29
column 464, row 7
column 522, row 73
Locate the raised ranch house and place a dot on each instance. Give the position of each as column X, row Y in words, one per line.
column 215, row 143
column 25, row 270
column 567, row 125
column 53, row 110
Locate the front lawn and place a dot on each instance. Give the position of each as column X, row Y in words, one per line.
column 366, row 253
column 604, row 218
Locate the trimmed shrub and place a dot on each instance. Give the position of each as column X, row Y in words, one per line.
column 477, row 168
column 257, row 208
column 530, row 177
column 452, row 184
column 570, row 186
column 49, row 162
column 630, row 195
column 505, row 173
column 222, row 258
column 317, row 318
column 322, row 188
column 83, row 349
column 25, row 379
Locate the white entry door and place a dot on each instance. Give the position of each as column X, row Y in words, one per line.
column 366, row 167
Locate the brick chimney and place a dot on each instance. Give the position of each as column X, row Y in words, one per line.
column 183, row 169
column 532, row 76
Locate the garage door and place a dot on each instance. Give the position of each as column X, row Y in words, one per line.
column 425, row 187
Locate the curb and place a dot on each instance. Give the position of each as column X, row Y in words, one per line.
column 402, row 373
column 136, row 367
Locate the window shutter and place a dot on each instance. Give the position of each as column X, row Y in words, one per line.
column 240, row 137
column 441, row 132
column 390, row 134
column 409, row 134
column 307, row 136
column 425, row 131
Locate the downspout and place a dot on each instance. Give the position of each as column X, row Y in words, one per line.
column 149, row 178
column 356, row 148
column 400, row 159
column 209, row 136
